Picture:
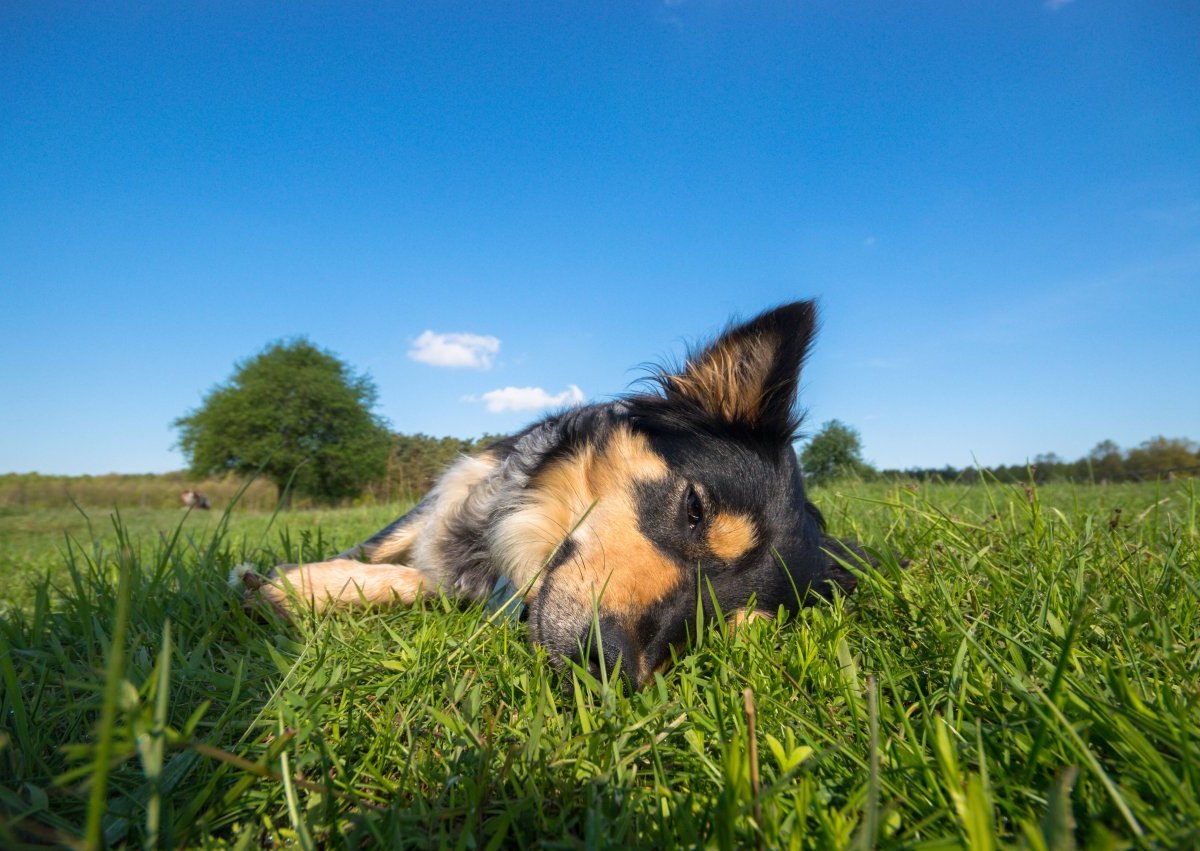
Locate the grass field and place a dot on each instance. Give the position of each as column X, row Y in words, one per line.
column 1031, row 679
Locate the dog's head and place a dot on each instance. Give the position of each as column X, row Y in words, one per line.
column 689, row 497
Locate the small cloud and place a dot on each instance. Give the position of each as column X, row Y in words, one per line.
column 1055, row 5
column 527, row 399
column 869, row 242
column 472, row 351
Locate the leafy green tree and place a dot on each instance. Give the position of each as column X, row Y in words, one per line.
column 296, row 413
column 1161, row 455
column 833, row 452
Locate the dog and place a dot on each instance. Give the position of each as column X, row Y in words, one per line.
column 194, row 499
column 630, row 515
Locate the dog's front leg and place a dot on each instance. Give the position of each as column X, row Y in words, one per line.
column 337, row 583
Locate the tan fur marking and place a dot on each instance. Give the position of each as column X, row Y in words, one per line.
column 743, row 616
column 615, row 562
column 525, row 540
column 396, row 545
column 728, row 380
column 612, row 556
column 623, row 570
column 730, row 536
column 339, row 583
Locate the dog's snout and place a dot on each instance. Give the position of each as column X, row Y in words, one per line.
column 606, row 654
column 598, row 663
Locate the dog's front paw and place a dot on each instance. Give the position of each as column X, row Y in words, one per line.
column 256, row 588
column 244, row 577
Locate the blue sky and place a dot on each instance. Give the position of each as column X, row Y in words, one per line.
column 997, row 204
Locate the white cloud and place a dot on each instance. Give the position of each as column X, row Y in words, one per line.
column 472, row 351
column 527, row 398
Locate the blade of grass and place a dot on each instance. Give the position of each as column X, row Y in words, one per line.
column 113, row 677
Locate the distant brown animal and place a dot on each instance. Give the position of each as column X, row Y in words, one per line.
column 194, row 499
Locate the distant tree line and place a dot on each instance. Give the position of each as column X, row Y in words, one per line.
column 1158, row 457
column 415, row 461
column 835, row 452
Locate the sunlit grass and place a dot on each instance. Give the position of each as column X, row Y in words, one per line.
column 1031, row 678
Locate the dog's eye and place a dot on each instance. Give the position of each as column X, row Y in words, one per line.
column 693, row 507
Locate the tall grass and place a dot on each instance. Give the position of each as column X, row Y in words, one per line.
column 1031, row 678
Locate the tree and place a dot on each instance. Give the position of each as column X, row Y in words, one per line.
column 1106, row 460
column 1161, row 455
column 294, row 412
column 834, row 451
column 1048, row 467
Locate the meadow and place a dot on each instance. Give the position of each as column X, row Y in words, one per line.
column 1031, row 678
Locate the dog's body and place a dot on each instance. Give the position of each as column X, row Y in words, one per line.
column 194, row 499
column 628, row 514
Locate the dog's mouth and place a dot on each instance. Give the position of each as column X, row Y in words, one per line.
column 603, row 646
column 610, row 647
column 610, row 659
column 601, row 657
column 605, row 659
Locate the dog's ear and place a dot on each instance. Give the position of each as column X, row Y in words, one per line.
column 748, row 376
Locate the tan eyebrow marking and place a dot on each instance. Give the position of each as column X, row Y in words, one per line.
column 731, row 536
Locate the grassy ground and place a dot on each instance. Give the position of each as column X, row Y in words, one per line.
column 1032, row 679
column 34, row 542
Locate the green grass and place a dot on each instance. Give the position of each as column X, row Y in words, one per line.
column 34, row 541
column 1031, row 679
